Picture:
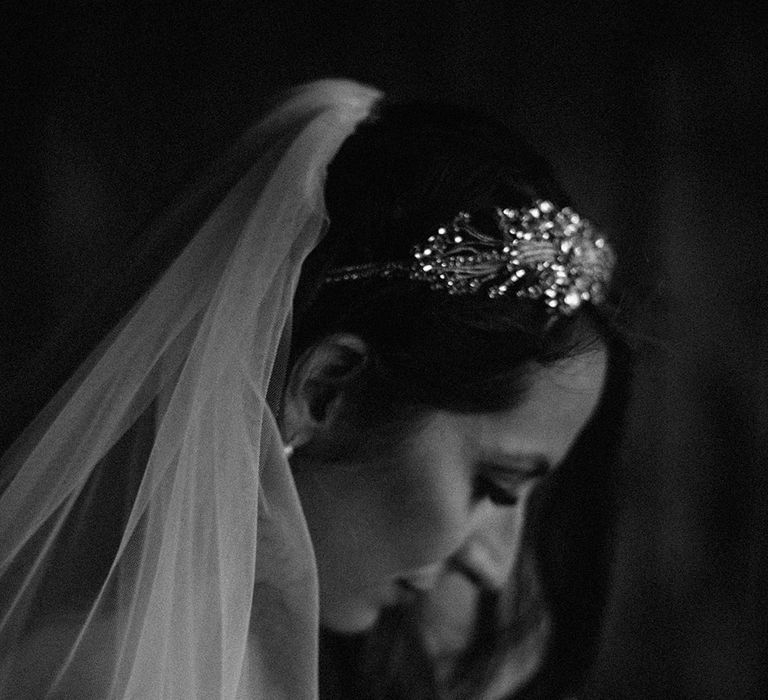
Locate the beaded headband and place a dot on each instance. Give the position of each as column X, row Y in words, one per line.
column 544, row 253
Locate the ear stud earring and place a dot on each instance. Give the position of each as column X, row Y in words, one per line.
column 290, row 447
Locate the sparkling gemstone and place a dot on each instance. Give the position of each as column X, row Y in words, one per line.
column 572, row 299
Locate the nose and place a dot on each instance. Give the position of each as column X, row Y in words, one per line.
column 488, row 554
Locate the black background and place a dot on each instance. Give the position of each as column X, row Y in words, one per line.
column 655, row 118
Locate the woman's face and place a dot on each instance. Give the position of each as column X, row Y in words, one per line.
column 451, row 493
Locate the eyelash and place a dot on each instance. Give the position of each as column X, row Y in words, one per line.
column 501, row 486
column 486, row 487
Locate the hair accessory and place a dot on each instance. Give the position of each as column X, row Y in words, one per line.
column 543, row 253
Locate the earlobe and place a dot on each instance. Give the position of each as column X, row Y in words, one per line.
column 315, row 387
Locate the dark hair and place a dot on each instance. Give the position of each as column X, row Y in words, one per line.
column 406, row 170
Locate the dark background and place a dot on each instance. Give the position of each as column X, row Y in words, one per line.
column 655, row 117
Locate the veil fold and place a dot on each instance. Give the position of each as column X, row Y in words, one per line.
column 151, row 539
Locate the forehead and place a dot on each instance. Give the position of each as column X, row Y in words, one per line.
column 558, row 402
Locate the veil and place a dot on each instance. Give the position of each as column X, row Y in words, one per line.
column 151, row 539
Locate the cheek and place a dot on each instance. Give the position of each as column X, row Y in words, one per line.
column 368, row 525
column 427, row 510
column 378, row 520
column 344, row 516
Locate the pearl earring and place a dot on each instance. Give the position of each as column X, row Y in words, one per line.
column 290, row 447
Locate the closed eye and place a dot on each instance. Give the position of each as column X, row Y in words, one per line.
column 502, row 484
column 500, row 495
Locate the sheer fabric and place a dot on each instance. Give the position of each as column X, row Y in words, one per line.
column 151, row 539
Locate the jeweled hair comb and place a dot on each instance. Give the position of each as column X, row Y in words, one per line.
column 544, row 253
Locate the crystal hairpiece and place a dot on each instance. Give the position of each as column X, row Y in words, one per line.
column 544, row 253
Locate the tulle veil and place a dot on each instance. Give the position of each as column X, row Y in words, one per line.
column 208, row 589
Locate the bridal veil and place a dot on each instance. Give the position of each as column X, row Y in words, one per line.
column 151, row 539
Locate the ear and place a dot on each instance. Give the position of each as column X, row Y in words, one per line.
column 316, row 383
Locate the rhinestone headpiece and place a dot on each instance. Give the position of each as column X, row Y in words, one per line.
column 544, row 253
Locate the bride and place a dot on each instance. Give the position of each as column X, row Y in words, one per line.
column 352, row 441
